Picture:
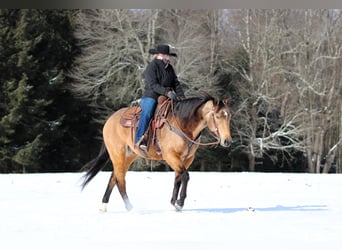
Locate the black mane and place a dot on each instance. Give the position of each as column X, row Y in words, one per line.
column 186, row 109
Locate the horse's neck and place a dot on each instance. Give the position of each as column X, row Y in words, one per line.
column 204, row 113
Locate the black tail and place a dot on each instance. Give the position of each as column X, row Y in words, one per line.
column 95, row 165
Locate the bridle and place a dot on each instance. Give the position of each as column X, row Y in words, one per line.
column 195, row 141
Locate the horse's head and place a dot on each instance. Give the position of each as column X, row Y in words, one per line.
column 197, row 113
column 219, row 122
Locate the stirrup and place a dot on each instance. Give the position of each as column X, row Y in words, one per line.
column 142, row 150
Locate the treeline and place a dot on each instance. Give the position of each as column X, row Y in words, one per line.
column 62, row 72
column 43, row 127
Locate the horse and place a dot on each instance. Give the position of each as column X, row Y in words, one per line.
column 176, row 143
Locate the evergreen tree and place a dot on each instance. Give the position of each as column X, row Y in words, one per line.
column 37, row 111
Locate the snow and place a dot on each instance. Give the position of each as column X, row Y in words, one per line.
column 291, row 211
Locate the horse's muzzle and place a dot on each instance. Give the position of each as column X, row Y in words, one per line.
column 226, row 142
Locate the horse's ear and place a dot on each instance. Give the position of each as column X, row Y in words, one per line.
column 226, row 101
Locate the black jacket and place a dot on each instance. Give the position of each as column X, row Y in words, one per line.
column 159, row 80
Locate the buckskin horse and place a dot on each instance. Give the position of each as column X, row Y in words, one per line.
column 175, row 142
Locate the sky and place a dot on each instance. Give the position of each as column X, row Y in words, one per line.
column 222, row 211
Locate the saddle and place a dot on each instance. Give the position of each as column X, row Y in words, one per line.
column 130, row 118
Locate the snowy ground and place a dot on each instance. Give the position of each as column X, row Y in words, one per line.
column 292, row 211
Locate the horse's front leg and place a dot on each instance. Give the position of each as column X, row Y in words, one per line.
column 185, row 177
column 181, row 182
column 176, row 188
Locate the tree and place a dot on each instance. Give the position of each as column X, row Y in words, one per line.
column 283, row 66
column 264, row 124
column 36, row 46
column 317, row 73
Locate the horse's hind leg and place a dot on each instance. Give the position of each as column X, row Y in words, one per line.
column 122, row 189
column 110, row 186
column 120, row 167
column 121, row 183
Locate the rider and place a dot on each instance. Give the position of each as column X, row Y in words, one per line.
column 160, row 79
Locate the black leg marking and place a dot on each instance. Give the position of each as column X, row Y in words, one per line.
column 176, row 188
column 181, row 183
column 110, row 186
column 185, row 177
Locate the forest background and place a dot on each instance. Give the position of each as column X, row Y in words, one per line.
column 62, row 72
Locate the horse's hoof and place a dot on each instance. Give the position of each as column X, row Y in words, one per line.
column 178, row 207
column 128, row 204
column 103, row 209
column 129, row 208
column 250, row 209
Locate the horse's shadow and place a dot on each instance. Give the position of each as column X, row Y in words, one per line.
column 278, row 208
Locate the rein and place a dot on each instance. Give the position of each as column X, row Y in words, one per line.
column 180, row 132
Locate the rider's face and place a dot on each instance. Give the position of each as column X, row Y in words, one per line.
column 166, row 57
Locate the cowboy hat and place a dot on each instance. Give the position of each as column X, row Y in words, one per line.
column 162, row 49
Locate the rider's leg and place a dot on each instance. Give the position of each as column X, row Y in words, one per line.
column 148, row 106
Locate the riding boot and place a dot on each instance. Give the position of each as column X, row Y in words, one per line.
column 141, row 145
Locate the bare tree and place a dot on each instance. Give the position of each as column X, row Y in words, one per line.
column 293, row 67
column 267, row 123
column 330, row 157
column 317, row 77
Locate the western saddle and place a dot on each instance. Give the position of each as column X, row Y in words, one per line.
column 130, row 118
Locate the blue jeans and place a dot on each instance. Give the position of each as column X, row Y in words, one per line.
column 148, row 105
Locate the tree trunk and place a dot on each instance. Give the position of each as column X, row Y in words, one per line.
column 339, row 161
column 331, row 156
column 251, row 162
column 309, row 155
column 319, row 149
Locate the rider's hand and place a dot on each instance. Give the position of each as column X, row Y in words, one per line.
column 171, row 94
column 179, row 98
